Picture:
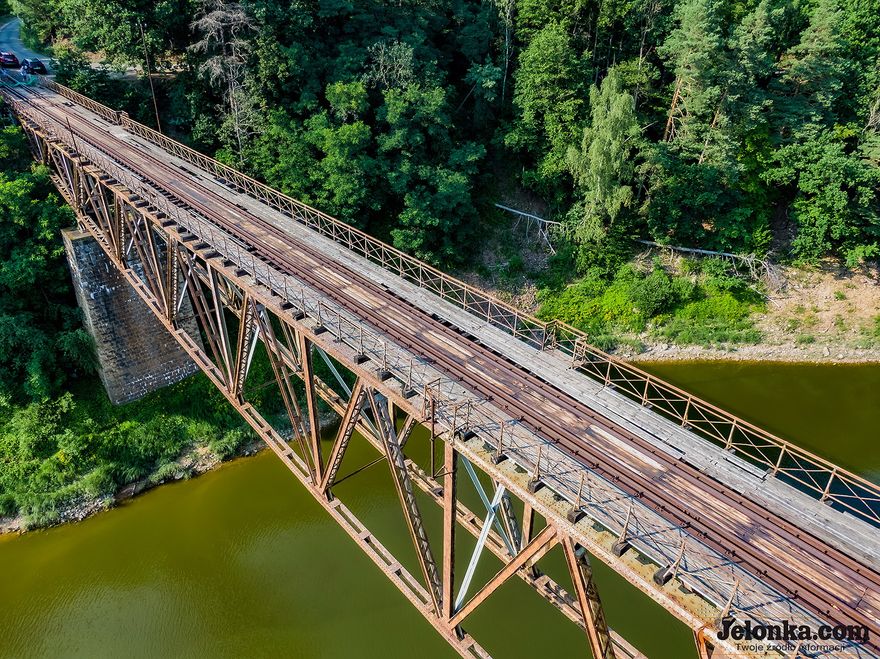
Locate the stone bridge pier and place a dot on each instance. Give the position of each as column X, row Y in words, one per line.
column 136, row 354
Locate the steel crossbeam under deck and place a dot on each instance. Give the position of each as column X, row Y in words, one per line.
column 246, row 306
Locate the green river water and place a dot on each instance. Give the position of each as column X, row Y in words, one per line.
column 241, row 562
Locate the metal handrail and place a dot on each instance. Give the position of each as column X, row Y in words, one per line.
column 811, row 473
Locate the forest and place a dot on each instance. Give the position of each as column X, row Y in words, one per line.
column 750, row 127
column 746, row 126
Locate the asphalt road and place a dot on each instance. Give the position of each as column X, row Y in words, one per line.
column 10, row 40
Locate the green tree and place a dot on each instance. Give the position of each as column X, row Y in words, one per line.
column 433, row 177
column 42, row 342
column 835, row 203
column 705, row 175
column 603, row 167
column 40, row 20
column 224, row 49
column 695, row 49
column 342, row 182
column 550, row 100
column 813, row 73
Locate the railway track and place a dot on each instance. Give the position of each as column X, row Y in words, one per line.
column 848, row 590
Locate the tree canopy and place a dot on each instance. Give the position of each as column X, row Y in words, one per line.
column 746, row 126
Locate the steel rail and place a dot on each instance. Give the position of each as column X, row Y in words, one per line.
column 286, row 235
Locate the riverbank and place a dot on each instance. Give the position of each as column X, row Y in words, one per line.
column 824, row 313
column 207, row 449
column 215, row 565
column 790, row 352
column 198, row 460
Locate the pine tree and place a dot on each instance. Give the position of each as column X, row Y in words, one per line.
column 836, row 202
column 696, row 51
column 812, row 73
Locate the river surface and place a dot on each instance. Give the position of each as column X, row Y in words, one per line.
column 241, row 562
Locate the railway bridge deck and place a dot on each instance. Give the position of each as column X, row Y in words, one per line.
column 706, row 514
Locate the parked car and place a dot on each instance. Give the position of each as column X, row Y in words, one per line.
column 8, row 59
column 33, row 66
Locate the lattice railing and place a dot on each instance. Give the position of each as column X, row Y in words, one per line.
column 810, row 473
column 92, row 105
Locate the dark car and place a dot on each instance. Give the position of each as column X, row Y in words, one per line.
column 33, row 66
column 8, row 59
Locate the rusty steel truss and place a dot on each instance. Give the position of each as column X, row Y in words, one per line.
column 182, row 276
column 187, row 269
column 822, row 479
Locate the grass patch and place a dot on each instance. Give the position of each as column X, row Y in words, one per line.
column 705, row 306
column 78, row 445
column 716, row 320
column 870, row 334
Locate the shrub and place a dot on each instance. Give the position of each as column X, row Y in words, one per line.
column 168, row 471
column 653, row 294
column 690, row 266
column 226, row 445
column 98, row 482
column 7, row 505
column 713, row 308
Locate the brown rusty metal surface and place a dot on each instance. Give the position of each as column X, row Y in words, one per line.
column 822, row 478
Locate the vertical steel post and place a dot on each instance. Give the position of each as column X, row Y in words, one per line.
column 450, row 505
column 305, row 358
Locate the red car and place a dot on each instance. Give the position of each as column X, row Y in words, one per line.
column 8, row 59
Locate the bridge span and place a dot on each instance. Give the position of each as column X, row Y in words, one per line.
column 563, row 445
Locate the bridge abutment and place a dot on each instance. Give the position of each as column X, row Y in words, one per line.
column 136, row 354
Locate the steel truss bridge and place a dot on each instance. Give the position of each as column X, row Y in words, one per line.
column 710, row 516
